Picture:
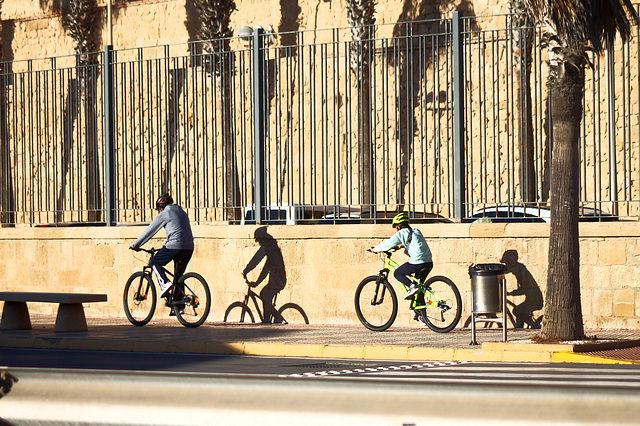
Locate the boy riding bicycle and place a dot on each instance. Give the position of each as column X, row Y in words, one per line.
column 415, row 247
column 178, row 247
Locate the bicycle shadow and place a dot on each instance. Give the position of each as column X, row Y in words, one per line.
column 521, row 315
column 274, row 277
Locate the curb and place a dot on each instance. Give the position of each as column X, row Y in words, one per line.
column 488, row 352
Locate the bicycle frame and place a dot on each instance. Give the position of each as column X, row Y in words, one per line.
column 391, row 265
column 149, row 271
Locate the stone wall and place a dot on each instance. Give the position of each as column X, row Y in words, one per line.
column 323, row 264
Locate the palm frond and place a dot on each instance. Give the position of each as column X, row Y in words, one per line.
column 611, row 17
column 215, row 18
column 577, row 23
column 360, row 16
column 82, row 25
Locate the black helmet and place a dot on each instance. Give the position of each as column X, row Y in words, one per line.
column 163, row 201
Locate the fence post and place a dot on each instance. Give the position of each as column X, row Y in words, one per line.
column 611, row 124
column 458, row 118
column 259, row 125
column 109, row 164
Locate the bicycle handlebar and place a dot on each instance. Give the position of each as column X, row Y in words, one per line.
column 151, row 251
column 387, row 252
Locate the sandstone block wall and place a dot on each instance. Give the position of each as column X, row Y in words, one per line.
column 324, row 264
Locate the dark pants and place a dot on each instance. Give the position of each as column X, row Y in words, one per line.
column 163, row 256
column 410, row 268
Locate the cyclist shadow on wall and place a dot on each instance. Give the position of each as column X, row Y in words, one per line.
column 274, row 277
column 523, row 312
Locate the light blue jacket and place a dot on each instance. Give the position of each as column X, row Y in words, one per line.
column 175, row 222
column 418, row 250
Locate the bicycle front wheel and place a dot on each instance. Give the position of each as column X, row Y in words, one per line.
column 443, row 304
column 139, row 298
column 238, row 312
column 193, row 309
column 376, row 303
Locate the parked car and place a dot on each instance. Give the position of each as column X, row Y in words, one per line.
column 338, row 219
column 521, row 214
column 276, row 214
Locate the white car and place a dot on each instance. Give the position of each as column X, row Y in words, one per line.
column 520, row 214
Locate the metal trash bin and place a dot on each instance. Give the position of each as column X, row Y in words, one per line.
column 488, row 293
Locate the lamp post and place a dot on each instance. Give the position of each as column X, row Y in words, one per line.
column 256, row 36
column 109, row 25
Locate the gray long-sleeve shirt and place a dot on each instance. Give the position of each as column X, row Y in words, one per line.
column 176, row 224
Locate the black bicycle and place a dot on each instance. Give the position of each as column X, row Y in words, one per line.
column 190, row 300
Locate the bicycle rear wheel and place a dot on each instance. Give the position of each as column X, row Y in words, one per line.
column 193, row 308
column 443, row 304
column 290, row 313
column 376, row 303
column 139, row 298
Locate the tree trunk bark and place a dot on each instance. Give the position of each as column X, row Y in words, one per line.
column 563, row 310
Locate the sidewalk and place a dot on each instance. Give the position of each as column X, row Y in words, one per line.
column 338, row 341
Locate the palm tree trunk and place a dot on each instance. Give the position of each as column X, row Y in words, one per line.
column 563, row 311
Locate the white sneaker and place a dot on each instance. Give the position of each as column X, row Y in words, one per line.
column 411, row 291
column 164, row 289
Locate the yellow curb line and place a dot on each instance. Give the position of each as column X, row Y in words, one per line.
column 574, row 357
column 488, row 352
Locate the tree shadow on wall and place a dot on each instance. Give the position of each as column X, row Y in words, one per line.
column 7, row 197
column 177, row 78
column 273, row 277
column 413, row 53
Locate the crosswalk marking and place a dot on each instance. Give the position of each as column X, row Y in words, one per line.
column 388, row 368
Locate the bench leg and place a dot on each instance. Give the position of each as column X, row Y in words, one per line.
column 71, row 317
column 15, row 316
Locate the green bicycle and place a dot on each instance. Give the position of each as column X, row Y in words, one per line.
column 438, row 304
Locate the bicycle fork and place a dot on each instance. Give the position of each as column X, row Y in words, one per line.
column 378, row 295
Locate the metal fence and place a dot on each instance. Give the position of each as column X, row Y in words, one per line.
column 429, row 117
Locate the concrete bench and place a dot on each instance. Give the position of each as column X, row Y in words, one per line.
column 15, row 314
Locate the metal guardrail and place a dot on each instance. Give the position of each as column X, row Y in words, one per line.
column 428, row 117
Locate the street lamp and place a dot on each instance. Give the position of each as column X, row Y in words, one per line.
column 245, row 33
column 255, row 36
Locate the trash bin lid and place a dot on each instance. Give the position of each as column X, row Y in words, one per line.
column 487, row 269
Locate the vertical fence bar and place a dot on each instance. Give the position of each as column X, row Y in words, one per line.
column 109, row 164
column 458, row 117
column 611, row 124
column 259, row 125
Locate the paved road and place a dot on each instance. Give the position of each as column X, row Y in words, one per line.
column 211, row 389
column 586, row 375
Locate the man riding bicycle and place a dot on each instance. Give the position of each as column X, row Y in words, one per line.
column 415, row 247
column 178, row 247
